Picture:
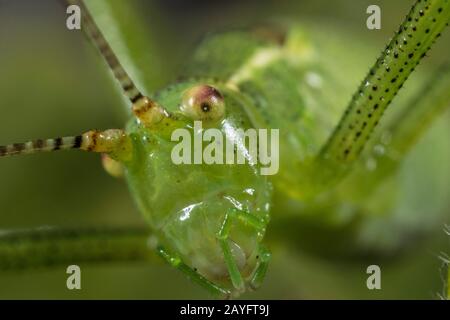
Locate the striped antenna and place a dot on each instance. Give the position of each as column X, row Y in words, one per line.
column 109, row 141
column 94, row 33
column 41, row 145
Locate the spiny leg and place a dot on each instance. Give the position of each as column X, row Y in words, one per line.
column 407, row 127
column 434, row 98
column 422, row 26
column 394, row 139
column 177, row 263
column 223, row 235
column 48, row 246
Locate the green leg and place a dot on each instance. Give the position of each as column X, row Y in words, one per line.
column 418, row 115
column 260, row 272
column 192, row 274
column 223, row 235
column 408, row 47
column 398, row 136
column 46, row 247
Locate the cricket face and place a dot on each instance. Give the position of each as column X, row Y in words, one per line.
column 210, row 212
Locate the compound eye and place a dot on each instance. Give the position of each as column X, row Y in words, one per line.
column 204, row 103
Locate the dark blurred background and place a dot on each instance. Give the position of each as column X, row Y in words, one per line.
column 53, row 83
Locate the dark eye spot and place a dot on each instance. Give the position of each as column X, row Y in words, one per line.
column 203, row 102
column 205, row 107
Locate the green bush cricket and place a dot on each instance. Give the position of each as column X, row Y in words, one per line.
column 209, row 221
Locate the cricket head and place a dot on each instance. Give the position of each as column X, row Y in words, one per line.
column 191, row 159
column 195, row 176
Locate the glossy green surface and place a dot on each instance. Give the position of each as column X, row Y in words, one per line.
column 410, row 203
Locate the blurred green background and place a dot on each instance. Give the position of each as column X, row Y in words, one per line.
column 53, row 83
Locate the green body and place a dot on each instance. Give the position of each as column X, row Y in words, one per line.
column 209, row 220
column 266, row 85
column 186, row 204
